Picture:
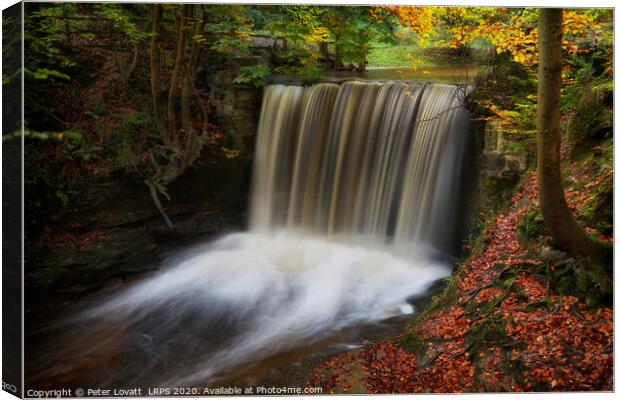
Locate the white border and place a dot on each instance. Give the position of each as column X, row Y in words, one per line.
column 505, row 3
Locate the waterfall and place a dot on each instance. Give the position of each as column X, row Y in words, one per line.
column 354, row 195
column 375, row 164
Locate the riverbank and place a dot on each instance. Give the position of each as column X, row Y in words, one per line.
column 507, row 320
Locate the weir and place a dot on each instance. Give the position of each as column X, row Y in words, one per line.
column 353, row 206
column 375, row 164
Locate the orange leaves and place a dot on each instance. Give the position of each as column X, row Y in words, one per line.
column 511, row 31
column 448, row 324
column 518, row 38
column 419, row 20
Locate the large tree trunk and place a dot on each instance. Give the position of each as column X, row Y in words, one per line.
column 559, row 220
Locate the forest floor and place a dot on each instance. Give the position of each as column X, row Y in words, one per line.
column 499, row 325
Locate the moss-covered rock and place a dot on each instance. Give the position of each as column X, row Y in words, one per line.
column 531, row 228
column 591, row 118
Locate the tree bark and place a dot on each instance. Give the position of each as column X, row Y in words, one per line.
column 154, row 55
column 337, row 55
column 559, row 220
column 323, row 50
column 176, row 76
column 194, row 143
column 134, row 62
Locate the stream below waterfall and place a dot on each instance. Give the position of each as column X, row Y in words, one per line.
column 284, row 321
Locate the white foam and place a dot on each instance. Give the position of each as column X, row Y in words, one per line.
column 283, row 290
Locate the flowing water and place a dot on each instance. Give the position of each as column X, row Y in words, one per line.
column 353, row 206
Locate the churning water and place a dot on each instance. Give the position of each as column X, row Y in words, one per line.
column 353, row 202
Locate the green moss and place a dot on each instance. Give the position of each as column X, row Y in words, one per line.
column 412, row 343
column 598, row 212
column 541, row 386
column 530, row 229
column 579, row 279
column 491, row 331
column 445, row 299
column 591, row 119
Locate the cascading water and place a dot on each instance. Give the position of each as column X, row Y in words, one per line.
column 354, row 197
column 367, row 163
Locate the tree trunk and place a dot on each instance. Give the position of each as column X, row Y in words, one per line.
column 363, row 49
column 362, row 62
column 194, row 143
column 323, row 50
column 186, row 88
column 337, row 55
column 154, row 55
column 559, row 220
column 176, row 76
column 134, row 62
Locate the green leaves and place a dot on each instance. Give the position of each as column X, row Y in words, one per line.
column 253, row 75
column 117, row 14
column 229, row 44
column 44, row 73
column 62, row 196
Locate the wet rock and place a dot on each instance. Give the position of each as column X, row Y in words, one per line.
column 89, row 258
column 421, row 300
column 569, row 262
column 552, row 255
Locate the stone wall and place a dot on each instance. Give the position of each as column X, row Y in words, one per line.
column 500, row 160
column 237, row 107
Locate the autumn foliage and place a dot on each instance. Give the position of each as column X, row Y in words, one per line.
column 512, row 31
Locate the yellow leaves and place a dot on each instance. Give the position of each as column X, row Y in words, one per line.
column 508, row 30
column 419, row 20
column 576, row 23
column 318, row 34
column 230, row 153
column 415, row 61
column 520, row 37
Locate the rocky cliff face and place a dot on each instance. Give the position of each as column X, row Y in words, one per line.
column 115, row 231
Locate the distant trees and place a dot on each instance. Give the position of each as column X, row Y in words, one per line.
column 510, row 30
column 309, row 33
column 353, row 30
